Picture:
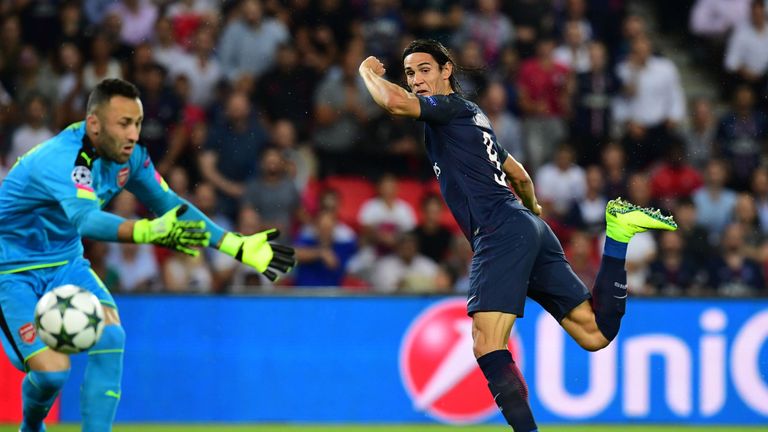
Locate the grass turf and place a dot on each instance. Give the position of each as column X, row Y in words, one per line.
column 390, row 428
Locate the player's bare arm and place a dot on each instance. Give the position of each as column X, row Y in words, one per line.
column 393, row 98
column 521, row 183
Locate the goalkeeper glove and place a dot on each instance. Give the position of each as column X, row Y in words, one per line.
column 169, row 231
column 258, row 252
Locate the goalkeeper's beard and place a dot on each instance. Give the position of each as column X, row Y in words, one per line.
column 111, row 148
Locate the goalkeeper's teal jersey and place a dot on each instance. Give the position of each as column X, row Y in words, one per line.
column 54, row 194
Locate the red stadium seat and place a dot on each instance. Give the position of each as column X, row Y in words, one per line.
column 353, row 192
column 411, row 191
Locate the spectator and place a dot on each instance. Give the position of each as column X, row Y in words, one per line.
column 489, row 28
column 10, row 51
column 248, row 44
column 287, row 90
column 673, row 272
column 201, row 68
column 575, row 11
column 473, row 79
column 714, row 202
column 135, row 264
column 434, row 238
column 574, row 53
column 732, row 273
column 35, row 77
column 639, row 190
column 178, row 181
column 300, row 160
column 385, row 216
column 505, row 125
column 741, row 136
column 713, row 19
column 71, row 28
column 543, row 101
column 614, row 165
column 342, row 108
column 695, row 237
column 381, row 28
column 184, row 273
column 582, row 256
column 323, row 250
column 591, row 92
column 273, row 194
column 746, row 56
column 405, row 270
column 561, row 182
column 229, row 152
column 759, row 191
column 588, row 214
column 71, row 98
column 533, row 20
column 161, row 115
column 674, row 178
column 33, row 131
column 434, row 19
column 102, row 65
column 165, row 50
column 700, row 133
column 652, row 105
column 745, row 214
column 138, row 20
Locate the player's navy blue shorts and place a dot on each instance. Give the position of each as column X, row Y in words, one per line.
column 522, row 257
column 19, row 293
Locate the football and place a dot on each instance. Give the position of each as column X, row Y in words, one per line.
column 69, row 319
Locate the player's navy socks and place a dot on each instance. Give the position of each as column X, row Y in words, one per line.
column 38, row 392
column 508, row 389
column 101, row 385
column 609, row 296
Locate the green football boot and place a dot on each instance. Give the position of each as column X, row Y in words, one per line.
column 624, row 219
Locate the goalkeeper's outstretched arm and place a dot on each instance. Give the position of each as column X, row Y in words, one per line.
column 256, row 250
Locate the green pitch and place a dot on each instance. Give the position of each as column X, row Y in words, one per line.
column 389, row 428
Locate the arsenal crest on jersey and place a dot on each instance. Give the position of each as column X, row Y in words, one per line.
column 122, row 176
column 27, row 333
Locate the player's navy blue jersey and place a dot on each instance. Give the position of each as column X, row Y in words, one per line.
column 467, row 161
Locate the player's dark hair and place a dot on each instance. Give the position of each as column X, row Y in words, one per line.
column 107, row 89
column 441, row 55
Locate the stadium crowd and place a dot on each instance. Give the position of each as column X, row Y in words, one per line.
column 254, row 111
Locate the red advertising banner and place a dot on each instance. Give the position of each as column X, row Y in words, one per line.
column 10, row 394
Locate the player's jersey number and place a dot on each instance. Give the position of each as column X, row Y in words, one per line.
column 493, row 156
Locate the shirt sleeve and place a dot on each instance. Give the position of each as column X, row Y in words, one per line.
column 439, row 109
column 151, row 189
column 78, row 200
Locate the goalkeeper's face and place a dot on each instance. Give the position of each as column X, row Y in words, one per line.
column 116, row 127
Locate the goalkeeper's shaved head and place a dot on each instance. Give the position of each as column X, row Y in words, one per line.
column 106, row 90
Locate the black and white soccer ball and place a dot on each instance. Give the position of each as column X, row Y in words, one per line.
column 69, row 319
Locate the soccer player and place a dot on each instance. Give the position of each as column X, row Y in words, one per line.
column 51, row 198
column 516, row 253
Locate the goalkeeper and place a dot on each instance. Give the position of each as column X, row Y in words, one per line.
column 51, row 198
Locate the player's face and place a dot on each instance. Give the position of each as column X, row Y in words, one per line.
column 116, row 127
column 424, row 75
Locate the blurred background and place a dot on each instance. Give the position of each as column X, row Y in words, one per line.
column 255, row 113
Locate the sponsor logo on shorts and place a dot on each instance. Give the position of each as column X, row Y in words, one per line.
column 27, row 333
column 122, row 176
